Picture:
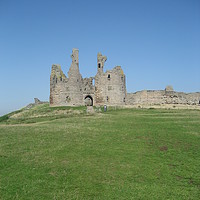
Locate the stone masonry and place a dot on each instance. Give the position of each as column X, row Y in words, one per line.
column 109, row 88
column 106, row 88
column 159, row 97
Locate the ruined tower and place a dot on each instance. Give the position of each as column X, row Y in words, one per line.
column 100, row 63
column 98, row 79
column 63, row 90
column 75, row 81
column 110, row 87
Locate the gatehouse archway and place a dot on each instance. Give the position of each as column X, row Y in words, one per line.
column 88, row 100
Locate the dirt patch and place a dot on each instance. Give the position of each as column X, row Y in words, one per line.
column 163, row 148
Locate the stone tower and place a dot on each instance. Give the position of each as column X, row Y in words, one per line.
column 75, row 81
column 98, row 79
column 63, row 90
column 110, row 87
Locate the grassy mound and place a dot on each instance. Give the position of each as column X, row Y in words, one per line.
column 41, row 112
column 121, row 154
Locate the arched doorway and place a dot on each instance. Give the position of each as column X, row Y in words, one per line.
column 88, row 100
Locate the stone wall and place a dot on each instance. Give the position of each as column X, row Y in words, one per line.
column 157, row 97
column 58, row 81
column 110, row 87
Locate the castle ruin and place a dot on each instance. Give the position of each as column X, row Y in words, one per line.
column 106, row 88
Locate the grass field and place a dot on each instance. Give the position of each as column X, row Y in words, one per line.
column 63, row 153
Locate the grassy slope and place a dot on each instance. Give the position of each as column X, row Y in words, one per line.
column 41, row 112
column 121, row 154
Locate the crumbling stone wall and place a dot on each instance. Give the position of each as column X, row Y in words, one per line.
column 88, row 87
column 110, row 87
column 58, row 81
column 167, row 96
column 36, row 102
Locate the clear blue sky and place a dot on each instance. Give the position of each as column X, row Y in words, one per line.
column 157, row 42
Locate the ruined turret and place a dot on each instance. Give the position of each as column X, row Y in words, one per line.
column 74, row 85
column 74, row 68
column 100, row 63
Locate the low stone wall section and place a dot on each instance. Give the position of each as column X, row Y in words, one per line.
column 156, row 97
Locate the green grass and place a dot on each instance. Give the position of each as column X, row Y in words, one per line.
column 41, row 113
column 120, row 154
